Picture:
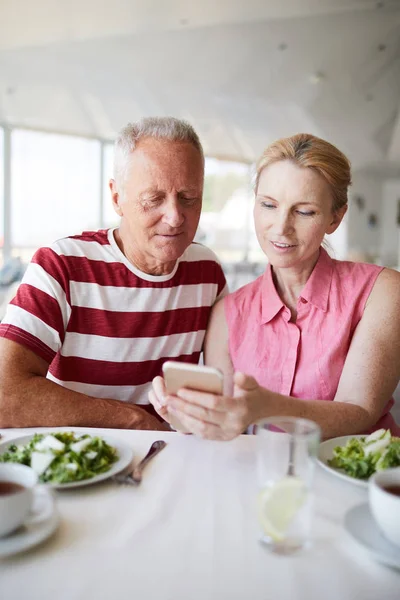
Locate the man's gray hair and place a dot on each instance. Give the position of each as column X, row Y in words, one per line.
column 160, row 128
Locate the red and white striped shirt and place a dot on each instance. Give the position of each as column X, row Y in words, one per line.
column 104, row 327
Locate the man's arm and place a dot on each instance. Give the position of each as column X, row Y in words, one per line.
column 28, row 399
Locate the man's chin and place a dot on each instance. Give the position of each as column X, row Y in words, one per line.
column 170, row 239
column 172, row 249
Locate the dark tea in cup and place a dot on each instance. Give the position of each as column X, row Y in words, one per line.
column 10, row 487
column 384, row 502
column 392, row 489
column 16, row 495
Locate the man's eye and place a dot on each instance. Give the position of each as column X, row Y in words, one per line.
column 188, row 200
column 152, row 200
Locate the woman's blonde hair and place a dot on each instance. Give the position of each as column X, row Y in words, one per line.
column 307, row 150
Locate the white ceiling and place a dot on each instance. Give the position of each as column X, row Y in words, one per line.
column 243, row 72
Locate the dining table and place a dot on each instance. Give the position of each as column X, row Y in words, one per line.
column 189, row 531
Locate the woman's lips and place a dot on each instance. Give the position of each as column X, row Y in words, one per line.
column 283, row 246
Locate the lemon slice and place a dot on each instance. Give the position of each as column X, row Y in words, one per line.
column 279, row 504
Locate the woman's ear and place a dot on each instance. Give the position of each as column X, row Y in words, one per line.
column 115, row 197
column 337, row 218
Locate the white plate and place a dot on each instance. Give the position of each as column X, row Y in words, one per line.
column 360, row 524
column 41, row 523
column 125, row 454
column 325, row 453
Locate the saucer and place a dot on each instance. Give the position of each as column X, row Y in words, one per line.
column 360, row 524
column 41, row 523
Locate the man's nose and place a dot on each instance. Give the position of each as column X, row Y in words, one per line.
column 173, row 213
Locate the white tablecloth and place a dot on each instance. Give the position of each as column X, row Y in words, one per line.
column 190, row 532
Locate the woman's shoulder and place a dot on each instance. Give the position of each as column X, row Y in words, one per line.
column 387, row 284
column 352, row 276
column 360, row 269
column 366, row 281
column 383, row 303
column 389, row 276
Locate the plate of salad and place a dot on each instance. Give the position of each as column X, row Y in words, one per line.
column 357, row 457
column 67, row 459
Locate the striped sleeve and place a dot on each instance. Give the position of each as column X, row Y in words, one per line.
column 221, row 281
column 38, row 315
column 223, row 289
column 198, row 252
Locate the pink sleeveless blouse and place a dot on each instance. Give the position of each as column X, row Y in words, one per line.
column 303, row 359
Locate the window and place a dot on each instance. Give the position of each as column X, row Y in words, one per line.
column 110, row 217
column 1, row 194
column 55, row 188
column 226, row 223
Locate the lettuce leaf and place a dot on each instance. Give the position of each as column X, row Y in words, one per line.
column 358, row 459
column 67, row 465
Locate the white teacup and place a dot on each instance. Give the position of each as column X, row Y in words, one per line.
column 384, row 502
column 16, row 495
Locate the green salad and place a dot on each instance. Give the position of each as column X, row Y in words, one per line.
column 63, row 457
column 361, row 457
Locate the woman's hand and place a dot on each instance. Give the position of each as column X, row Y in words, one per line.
column 215, row 417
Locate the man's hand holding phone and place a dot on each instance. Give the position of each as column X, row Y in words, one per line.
column 157, row 396
column 177, row 376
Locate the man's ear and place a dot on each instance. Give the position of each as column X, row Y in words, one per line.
column 115, row 197
column 337, row 218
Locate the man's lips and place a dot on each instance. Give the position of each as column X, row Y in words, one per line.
column 170, row 234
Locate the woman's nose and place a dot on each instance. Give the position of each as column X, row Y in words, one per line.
column 283, row 222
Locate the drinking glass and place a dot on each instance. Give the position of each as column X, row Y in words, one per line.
column 286, row 452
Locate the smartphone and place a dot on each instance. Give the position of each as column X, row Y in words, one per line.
column 178, row 375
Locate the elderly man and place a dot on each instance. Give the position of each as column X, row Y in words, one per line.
column 97, row 314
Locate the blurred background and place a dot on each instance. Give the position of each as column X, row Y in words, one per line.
column 244, row 73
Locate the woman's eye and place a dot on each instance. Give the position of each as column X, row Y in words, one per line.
column 267, row 205
column 306, row 213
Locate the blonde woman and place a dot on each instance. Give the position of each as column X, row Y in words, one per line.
column 312, row 337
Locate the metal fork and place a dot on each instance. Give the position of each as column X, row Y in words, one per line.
column 135, row 476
